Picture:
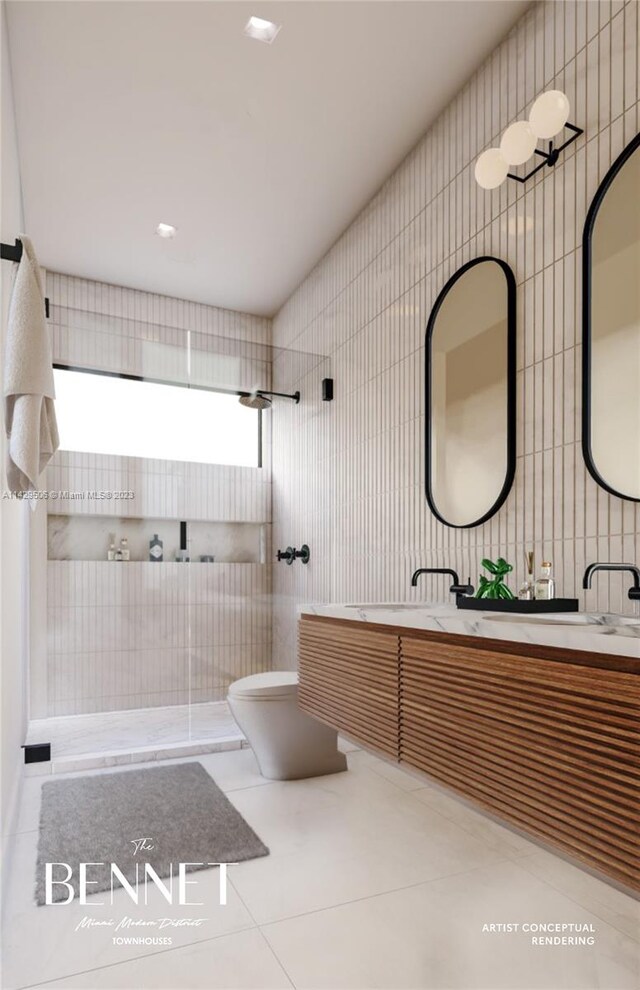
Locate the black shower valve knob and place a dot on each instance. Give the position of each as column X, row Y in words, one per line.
column 291, row 554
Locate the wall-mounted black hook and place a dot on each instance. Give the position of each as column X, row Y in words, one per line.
column 13, row 252
column 303, row 553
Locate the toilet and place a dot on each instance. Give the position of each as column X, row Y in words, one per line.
column 287, row 743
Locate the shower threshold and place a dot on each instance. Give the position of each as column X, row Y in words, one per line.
column 141, row 735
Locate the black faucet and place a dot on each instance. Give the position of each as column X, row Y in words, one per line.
column 634, row 590
column 455, row 589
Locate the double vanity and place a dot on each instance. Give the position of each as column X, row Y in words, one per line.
column 527, row 708
column 535, row 719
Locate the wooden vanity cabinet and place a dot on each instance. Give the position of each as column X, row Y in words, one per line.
column 552, row 747
column 546, row 739
column 349, row 679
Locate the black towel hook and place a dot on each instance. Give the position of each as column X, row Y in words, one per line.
column 13, row 252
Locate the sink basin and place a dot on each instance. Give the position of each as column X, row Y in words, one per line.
column 551, row 619
column 391, row 607
column 578, row 620
column 592, row 623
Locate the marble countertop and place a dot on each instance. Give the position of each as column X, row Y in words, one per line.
column 595, row 632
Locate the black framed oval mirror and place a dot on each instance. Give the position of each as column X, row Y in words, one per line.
column 611, row 329
column 470, row 386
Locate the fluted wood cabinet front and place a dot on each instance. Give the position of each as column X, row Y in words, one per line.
column 547, row 739
column 349, row 679
column 553, row 747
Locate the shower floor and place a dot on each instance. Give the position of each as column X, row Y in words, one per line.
column 106, row 739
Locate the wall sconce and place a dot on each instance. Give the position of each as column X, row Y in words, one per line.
column 549, row 115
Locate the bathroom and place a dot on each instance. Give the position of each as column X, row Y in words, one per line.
column 219, row 218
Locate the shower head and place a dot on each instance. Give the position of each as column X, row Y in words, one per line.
column 259, row 400
column 255, row 400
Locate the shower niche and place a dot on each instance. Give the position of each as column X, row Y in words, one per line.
column 88, row 538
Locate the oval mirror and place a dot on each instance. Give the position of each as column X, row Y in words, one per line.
column 470, row 394
column 611, row 329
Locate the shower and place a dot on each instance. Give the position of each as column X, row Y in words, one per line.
column 259, row 400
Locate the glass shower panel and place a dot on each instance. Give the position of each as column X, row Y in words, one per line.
column 160, row 562
column 117, row 622
column 229, row 510
column 303, row 463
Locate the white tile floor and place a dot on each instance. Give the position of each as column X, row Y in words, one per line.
column 106, row 739
column 375, row 879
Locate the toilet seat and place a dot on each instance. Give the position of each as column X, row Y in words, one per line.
column 271, row 685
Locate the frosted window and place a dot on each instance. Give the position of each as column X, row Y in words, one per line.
column 102, row 414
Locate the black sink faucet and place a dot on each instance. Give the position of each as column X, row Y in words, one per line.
column 634, row 590
column 455, row 589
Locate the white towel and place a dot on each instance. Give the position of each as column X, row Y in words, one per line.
column 30, row 418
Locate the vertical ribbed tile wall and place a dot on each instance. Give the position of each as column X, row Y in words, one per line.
column 153, row 310
column 303, row 492
column 140, row 634
column 366, row 304
column 161, row 489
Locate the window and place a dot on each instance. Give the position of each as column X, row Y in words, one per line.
column 105, row 414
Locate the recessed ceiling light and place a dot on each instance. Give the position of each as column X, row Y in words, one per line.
column 166, row 230
column 261, row 30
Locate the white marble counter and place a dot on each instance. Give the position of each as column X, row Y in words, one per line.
column 599, row 633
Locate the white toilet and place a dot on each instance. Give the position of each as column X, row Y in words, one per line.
column 287, row 742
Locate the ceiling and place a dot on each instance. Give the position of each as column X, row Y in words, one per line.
column 133, row 113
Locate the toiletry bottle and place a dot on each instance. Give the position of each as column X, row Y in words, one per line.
column 525, row 594
column 124, row 549
column 155, row 548
column 118, row 554
column 545, row 585
column 182, row 555
column 111, row 552
column 527, row 588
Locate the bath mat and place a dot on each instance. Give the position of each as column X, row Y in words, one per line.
column 178, row 810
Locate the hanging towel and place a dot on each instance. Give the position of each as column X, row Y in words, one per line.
column 30, row 418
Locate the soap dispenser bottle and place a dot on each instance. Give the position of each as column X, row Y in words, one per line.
column 545, row 585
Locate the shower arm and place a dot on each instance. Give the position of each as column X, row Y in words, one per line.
column 282, row 395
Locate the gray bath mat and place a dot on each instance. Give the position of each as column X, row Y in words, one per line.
column 179, row 809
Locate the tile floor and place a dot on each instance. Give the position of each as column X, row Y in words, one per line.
column 376, row 878
column 106, row 739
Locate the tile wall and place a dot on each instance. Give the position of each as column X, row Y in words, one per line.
column 354, row 472
column 141, row 634
column 161, row 489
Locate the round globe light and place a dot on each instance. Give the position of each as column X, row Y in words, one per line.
column 491, row 169
column 549, row 114
column 518, row 143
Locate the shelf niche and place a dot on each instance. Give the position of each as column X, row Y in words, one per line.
column 87, row 538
